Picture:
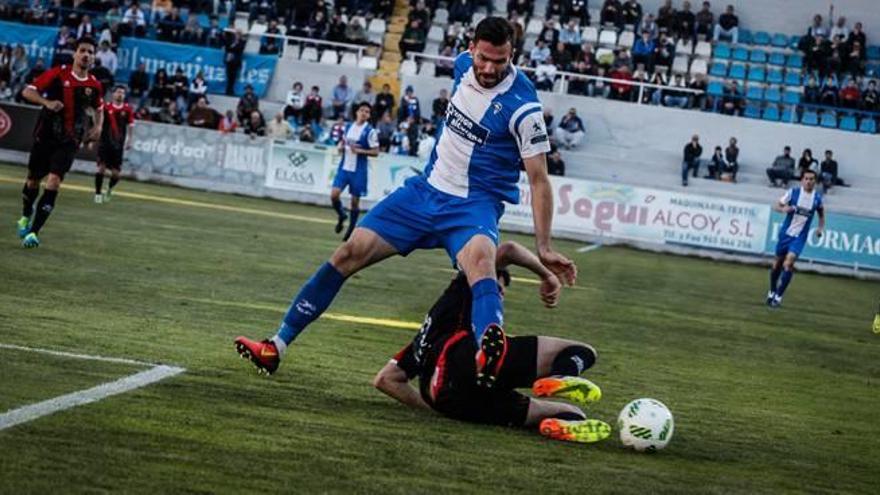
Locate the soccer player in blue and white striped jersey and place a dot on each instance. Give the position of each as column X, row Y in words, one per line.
column 494, row 126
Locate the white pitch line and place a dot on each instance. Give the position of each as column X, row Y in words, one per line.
column 75, row 356
column 79, row 398
column 588, row 248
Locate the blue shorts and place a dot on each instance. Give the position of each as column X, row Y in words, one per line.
column 788, row 244
column 355, row 181
column 418, row 216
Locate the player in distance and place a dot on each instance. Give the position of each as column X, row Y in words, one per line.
column 359, row 141
column 494, row 125
column 441, row 357
column 115, row 139
column 799, row 204
column 67, row 94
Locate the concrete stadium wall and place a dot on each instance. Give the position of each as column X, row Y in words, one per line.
column 787, row 16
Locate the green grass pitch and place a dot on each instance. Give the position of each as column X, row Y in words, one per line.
column 764, row 401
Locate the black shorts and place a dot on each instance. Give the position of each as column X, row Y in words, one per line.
column 47, row 157
column 460, row 398
column 110, row 156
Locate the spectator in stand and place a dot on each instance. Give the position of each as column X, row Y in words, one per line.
column 181, row 89
column 162, row 90
column 870, row 97
column 232, row 57
column 599, row 87
column 170, row 114
column 570, row 37
column 828, row 174
column 444, row 67
column 409, row 106
column 666, row 17
column 850, row 96
column 133, row 21
column 386, row 129
column 143, row 113
column 461, row 11
column 817, row 28
column 577, row 9
column 64, row 55
column 632, row 13
column 170, row 27
column 355, row 32
column 716, row 164
column 811, row 91
column 691, row 161
column 214, row 36
column 18, row 68
column 313, row 108
column 840, row 31
column 857, row 37
column 704, row 20
column 271, row 41
column 674, row 97
column 828, row 95
column 198, row 88
column 549, row 34
column 438, row 108
column 160, row 8
column 336, row 29
column 85, row 28
column 5, row 91
column 422, row 14
column 698, row 100
column 337, row 131
column 203, row 116
column 643, row 51
column 139, row 84
column 562, row 57
column 255, row 125
column 555, row 10
column 342, row 96
column 649, row 25
column 539, row 53
column 384, row 101
column 307, row 135
column 228, row 123
column 279, row 129
column 732, row 102
column 413, row 39
column 612, row 13
column 837, row 58
column 548, row 118
column 247, row 104
column 817, row 51
column 728, row 26
column 365, row 94
column 192, row 33
column 664, row 51
column 296, row 100
column 545, row 75
column 807, row 162
column 854, row 61
column 102, row 75
column 640, row 75
column 655, row 95
column 555, row 163
column 685, row 22
column 570, row 131
column 36, row 71
column 107, row 57
column 621, row 87
column 782, row 168
column 731, row 154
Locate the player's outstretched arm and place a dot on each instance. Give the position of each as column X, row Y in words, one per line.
column 392, row 381
column 513, row 253
column 542, row 213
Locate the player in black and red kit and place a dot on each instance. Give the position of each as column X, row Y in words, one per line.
column 441, row 356
column 67, row 95
column 115, row 139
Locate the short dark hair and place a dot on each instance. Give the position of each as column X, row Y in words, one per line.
column 85, row 40
column 362, row 104
column 809, row 171
column 495, row 30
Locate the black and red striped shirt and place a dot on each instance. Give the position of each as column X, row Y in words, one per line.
column 78, row 95
column 117, row 118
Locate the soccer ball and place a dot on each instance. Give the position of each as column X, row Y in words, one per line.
column 646, row 425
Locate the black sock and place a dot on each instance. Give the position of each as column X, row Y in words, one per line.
column 337, row 205
column 113, row 181
column 569, row 416
column 99, row 182
column 28, row 196
column 44, row 209
column 573, row 360
column 352, row 223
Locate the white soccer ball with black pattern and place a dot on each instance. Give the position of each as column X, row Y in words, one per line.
column 646, row 425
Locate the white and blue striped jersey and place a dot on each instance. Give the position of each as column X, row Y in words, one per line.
column 806, row 204
column 486, row 135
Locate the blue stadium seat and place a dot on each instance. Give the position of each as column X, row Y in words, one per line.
column 810, row 118
column 761, row 38
column 771, row 113
column 791, row 97
column 774, row 75
column 873, row 53
column 745, row 36
column 848, row 123
column 752, row 111
column 722, row 51
column 792, row 78
column 829, row 120
column 757, row 74
column 715, row 88
column 758, row 56
column 737, row 71
column 740, row 54
column 872, row 69
column 788, row 115
column 794, row 41
column 868, row 125
column 780, row 40
column 718, row 69
column 773, row 95
column 755, row 92
column 777, row 58
column 795, row 61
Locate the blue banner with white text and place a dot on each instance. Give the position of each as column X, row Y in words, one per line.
column 848, row 240
column 256, row 70
column 38, row 41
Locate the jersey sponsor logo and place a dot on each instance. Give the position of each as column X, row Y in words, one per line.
column 5, row 123
column 465, row 127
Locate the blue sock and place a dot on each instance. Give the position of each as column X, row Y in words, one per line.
column 486, row 308
column 774, row 278
column 313, row 299
column 784, row 281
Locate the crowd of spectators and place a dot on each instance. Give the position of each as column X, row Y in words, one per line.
column 722, row 165
column 784, row 168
